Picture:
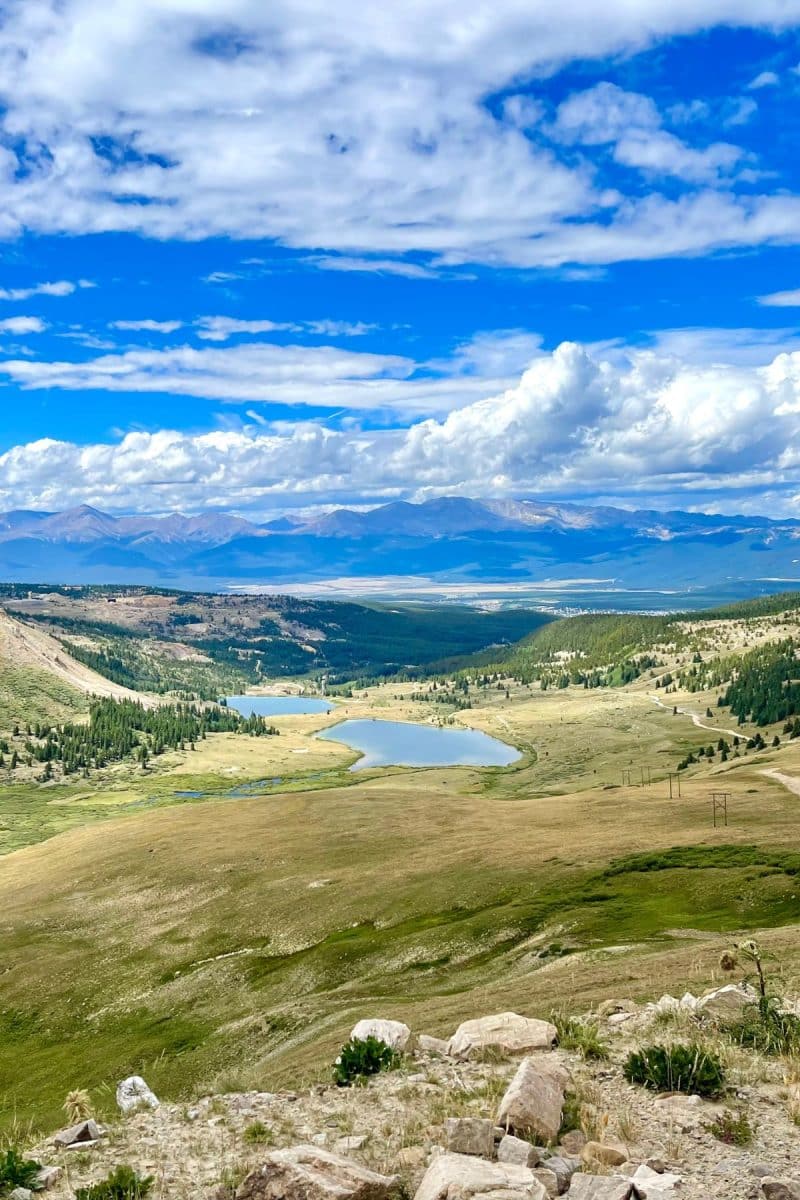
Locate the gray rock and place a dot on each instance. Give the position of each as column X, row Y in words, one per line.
column 133, row 1093
column 573, row 1142
column 517, row 1150
column 601, row 1187
column 432, row 1045
column 780, row 1189
column 461, row 1176
column 563, row 1167
column 20, row 1193
column 503, row 1033
column 548, row 1178
column 346, row 1145
column 85, row 1133
column 311, row 1173
column 47, row 1178
column 470, row 1135
column 534, row 1100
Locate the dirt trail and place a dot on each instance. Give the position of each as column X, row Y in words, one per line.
column 695, row 719
column 22, row 646
column 792, row 782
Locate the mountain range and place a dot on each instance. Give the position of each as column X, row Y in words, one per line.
column 448, row 540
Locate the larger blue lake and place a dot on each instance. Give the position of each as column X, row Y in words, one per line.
column 277, row 706
column 404, row 744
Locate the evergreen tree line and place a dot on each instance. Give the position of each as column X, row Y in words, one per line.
column 118, row 729
column 765, row 687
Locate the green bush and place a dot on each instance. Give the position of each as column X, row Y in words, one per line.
column 732, row 1128
column 358, row 1059
column 122, row 1184
column 16, row 1171
column 583, row 1036
column 676, row 1069
column 763, row 1028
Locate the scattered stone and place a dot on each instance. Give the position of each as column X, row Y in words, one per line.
column 573, row 1142
column 346, row 1145
column 563, row 1168
column 548, row 1178
column 310, row 1173
column 462, row 1176
column 47, row 1178
column 619, row 1018
column 600, row 1187
column 133, row 1093
column 85, row 1133
column 20, row 1193
column 411, row 1156
column 470, row 1135
column 610, row 1154
column 608, row 1008
column 534, row 1100
column 504, row 1033
column 517, row 1150
column 780, row 1189
column 655, row 1184
column 432, row 1045
column 393, row 1033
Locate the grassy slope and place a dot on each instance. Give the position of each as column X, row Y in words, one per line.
column 443, row 887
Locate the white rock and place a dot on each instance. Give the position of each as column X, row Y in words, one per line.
column 503, row 1033
column 517, row 1150
column 729, row 1001
column 393, row 1033
column 600, row 1187
column 432, row 1045
column 534, row 1099
column 133, row 1093
column 653, row 1185
column 459, row 1177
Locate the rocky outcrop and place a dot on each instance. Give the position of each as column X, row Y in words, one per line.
column 311, row 1173
column 133, row 1093
column 534, row 1101
column 501, row 1034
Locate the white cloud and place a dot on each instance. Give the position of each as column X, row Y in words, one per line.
column 350, row 138
column 22, row 325
column 62, row 287
column 147, row 326
column 788, row 299
column 762, row 80
column 377, row 266
column 574, row 424
column 219, row 329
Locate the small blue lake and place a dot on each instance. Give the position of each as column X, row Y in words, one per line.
column 404, row 744
column 278, row 706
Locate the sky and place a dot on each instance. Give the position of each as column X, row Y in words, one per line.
column 258, row 257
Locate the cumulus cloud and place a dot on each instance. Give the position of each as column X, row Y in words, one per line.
column 62, row 287
column 360, row 141
column 574, row 424
column 22, row 325
column 762, row 80
column 787, row 299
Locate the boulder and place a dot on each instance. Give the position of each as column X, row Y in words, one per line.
column 517, row 1150
column 393, row 1033
column 504, row 1033
column 656, row 1185
column 311, row 1173
column 85, row 1133
column 728, row 1002
column 563, row 1167
column 609, row 1154
column 133, row 1093
column 780, row 1189
column 20, row 1193
column 534, row 1100
column 573, row 1142
column 549, row 1179
column 432, row 1045
column 461, row 1177
column 470, row 1135
column 47, row 1178
column 600, row 1187
column 608, row 1008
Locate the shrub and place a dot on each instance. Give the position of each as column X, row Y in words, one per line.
column 734, row 1129
column 676, row 1069
column 764, row 1028
column 358, row 1059
column 257, row 1133
column 16, row 1171
column 122, row 1184
column 583, row 1036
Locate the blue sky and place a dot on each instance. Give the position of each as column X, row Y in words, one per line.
column 258, row 260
